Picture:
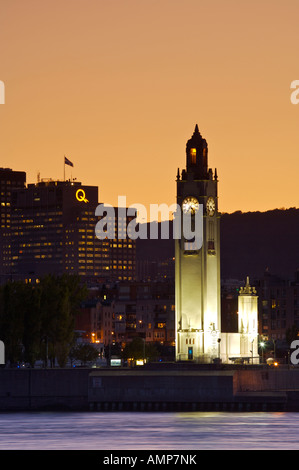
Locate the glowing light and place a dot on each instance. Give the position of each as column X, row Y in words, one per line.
column 80, row 195
column 139, row 362
column 193, row 155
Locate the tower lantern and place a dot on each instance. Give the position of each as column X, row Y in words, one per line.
column 197, row 155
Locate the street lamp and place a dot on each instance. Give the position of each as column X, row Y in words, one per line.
column 219, row 341
column 262, row 345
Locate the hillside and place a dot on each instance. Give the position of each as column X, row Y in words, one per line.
column 250, row 243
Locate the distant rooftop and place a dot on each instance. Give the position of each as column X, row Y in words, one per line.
column 51, row 182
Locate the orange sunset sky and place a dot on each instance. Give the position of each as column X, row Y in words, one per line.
column 118, row 85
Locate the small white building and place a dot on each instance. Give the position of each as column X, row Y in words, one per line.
column 243, row 346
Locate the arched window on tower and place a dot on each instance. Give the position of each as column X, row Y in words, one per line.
column 193, row 156
column 204, row 154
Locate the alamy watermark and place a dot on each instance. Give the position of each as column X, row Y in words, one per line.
column 295, row 93
column 294, row 358
column 2, row 92
column 2, row 353
column 187, row 225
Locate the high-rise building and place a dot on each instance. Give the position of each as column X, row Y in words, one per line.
column 52, row 226
column 53, row 231
column 9, row 181
column 122, row 249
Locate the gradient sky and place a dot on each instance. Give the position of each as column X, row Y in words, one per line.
column 118, row 85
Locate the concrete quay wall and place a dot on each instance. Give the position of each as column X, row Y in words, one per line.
column 268, row 379
column 34, row 389
column 129, row 389
column 166, row 386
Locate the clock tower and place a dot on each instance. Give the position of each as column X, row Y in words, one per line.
column 197, row 267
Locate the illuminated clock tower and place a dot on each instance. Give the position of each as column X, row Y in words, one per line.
column 197, row 268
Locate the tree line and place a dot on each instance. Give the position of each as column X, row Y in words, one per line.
column 37, row 320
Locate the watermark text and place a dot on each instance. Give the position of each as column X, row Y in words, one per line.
column 294, row 358
column 124, row 223
column 2, row 92
column 295, row 93
column 2, row 353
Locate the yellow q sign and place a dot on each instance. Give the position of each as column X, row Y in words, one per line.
column 80, row 195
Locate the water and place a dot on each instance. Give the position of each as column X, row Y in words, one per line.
column 149, row 431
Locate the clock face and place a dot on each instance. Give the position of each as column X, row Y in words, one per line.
column 190, row 204
column 211, row 206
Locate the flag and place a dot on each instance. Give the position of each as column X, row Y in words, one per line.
column 67, row 162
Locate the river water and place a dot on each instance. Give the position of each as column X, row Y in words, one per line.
column 149, row 431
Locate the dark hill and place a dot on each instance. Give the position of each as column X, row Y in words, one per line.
column 250, row 243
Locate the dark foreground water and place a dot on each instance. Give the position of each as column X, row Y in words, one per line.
column 148, row 431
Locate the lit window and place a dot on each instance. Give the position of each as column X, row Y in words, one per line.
column 193, row 156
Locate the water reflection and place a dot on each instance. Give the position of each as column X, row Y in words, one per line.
column 153, row 431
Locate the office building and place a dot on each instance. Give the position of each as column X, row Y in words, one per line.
column 122, row 249
column 9, row 181
column 52, row 227
column 53, row 232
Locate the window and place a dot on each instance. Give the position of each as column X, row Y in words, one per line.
column 193, row 156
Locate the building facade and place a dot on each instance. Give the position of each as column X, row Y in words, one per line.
column 278, row 305
column 127, row 310
column 53, row 232
column 122, row 249
column 9, row 181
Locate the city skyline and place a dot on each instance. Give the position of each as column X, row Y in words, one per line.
column 118, row 333
column 118, row 88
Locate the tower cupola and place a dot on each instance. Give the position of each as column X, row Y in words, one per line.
column 197, row 155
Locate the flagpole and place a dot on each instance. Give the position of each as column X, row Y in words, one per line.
column 67, row 162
